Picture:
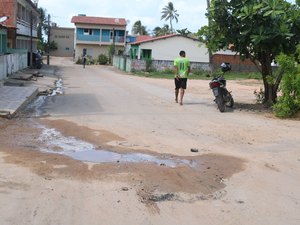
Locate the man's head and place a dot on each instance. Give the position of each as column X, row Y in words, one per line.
column 182, row 53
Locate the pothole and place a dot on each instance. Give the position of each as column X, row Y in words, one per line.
column 56, row 143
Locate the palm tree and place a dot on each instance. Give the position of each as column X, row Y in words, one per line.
column 161, row 31
column 184, row 32
column 169, row 13
column 138, row 28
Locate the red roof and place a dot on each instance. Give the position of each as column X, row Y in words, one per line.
column 143, row 38
column 154, row 39
column 99, row 20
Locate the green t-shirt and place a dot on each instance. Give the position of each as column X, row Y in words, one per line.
column 182, row 65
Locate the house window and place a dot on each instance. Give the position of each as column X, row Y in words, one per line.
column 88, row 32
column 146, row 53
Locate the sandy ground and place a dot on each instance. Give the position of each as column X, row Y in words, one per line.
column 246, row 170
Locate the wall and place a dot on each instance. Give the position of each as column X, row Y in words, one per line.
column 94, row 50
column 131, row 65
column 64, row 38
column 169, row 48
column 12, row 63
column 236, row 63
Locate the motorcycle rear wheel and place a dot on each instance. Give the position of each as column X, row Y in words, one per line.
column 220, row 103
column 230, row 103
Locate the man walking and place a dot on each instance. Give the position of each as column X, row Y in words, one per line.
column 182, row 70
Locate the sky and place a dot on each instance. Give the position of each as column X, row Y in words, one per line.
column 191, row 12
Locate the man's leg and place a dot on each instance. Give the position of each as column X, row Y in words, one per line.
column 181, row 95
column 176, row 95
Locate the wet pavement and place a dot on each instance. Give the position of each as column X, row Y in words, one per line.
column 57, row 143
column 20, row 89
column 14, row 98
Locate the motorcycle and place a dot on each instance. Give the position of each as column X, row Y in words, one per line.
column 223, row 97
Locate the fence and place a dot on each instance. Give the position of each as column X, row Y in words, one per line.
column 12, row 63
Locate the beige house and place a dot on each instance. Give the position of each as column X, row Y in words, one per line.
column 168, row 47
column 64, row 38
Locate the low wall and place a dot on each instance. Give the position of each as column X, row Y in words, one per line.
column 132, row 65
column 12, row 63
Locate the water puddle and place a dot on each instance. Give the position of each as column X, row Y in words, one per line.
column 56, row 143
column 59, row 88
column 35, row 108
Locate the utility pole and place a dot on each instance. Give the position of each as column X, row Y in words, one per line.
column 48, row 48
column 31, row 25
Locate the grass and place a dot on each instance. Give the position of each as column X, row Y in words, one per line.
column 200, row 75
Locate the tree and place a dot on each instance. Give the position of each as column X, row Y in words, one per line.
column 42, row 27
column 259, row 30
column 184, row 32
column 138, row 28
column 169, row 13
column 161, row 31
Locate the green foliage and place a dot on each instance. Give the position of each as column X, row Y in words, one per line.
column 111, row 52
column 138, row 28
column 161, row 31
column 78, row 61
column 288, row 103
column 167, row 71
column 90, row 60
column 102, row 59
column 258, row 29
column 169, row 13
column 184, row 32
column 53, row 45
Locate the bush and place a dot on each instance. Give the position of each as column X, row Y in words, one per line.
column 167, row 71
column 149, row 67
column 90, row 60
column 199, row 72
column 103, row 59
column 288, row 103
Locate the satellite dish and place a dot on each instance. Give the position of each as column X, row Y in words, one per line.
column 3, row 18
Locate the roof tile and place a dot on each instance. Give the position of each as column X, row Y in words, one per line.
column 99, row 20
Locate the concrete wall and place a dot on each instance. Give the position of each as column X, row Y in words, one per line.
column 94, row 50
column 12, row 63
column 64, row 38
column 131, row 65
column 169, row 48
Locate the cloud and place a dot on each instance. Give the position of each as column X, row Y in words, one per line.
column 191, row 12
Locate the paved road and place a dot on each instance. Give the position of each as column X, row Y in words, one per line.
column 139, row 114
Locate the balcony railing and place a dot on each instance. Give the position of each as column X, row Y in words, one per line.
column 23, row 28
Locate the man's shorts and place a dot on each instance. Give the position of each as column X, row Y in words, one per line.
column 180, row 83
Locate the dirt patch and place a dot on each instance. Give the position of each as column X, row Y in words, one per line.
column 154, row 183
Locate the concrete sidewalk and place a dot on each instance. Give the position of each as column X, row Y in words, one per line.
column 22, row 89
column 13, row 99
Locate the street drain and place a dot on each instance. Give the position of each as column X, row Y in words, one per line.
column 55, row 142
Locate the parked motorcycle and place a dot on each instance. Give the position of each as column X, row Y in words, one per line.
column 223, row 97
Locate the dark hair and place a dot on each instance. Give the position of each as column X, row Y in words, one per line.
column 182, row 53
